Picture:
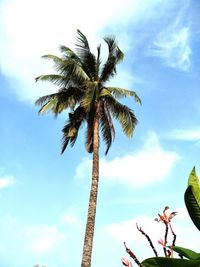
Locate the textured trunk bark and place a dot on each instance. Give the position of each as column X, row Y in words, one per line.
column 89, row 232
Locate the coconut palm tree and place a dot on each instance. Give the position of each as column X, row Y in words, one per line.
column 81, row 79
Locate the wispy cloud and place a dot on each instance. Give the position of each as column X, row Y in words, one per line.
column 185, row 135
column 172, row 42
column 136, row 169
column 6, row 181
column 172, row 45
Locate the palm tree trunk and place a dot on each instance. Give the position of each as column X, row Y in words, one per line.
column 89, row 232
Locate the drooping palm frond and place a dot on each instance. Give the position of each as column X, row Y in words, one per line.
column 69, row 68
column 90, row 128
column 87, row 58
column 120, row 92
column 89, row 136
column 68, row 53
column 123, row 114
column 53, row 78
column 98, row 63
column 72, row 70
column 54, row 58
column 48, row 106
column 114, row 57
column 44, row 99
column 71, row 128
column 65, row 98
column 107, row 128
column 70, row 96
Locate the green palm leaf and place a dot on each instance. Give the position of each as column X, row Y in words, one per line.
column 187, row 253
column 71, row 128
column 54, row 78
column 68, row 53
column 50, row 105
column 107, row 128
column 114, row 57
column 120, row 92
column 87, row 58
column 169, row 262
column 123, row 114
column 54, row 58
column 44, row 99
column 192, row 198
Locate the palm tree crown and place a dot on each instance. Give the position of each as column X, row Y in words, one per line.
column 81, row 80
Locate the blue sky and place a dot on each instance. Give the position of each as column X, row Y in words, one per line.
column 44, row 195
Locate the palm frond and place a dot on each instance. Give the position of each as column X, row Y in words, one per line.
column 114, row 57
column 90, row 131
column 107, row 128
column 50, row 105
column 69, row 53
column 72, row 70
column 120, row 92
column 67, row 98
column 53, row 78
column 70, row 97
column 54, row 58
column 88, row 59
column 71, row 128
column 63, row 99
column 123, row 114
column 44, row 99
column 98, row 63
column 105, row 92
column 89, row 137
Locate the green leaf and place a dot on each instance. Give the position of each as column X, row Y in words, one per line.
column 187, row 253
column 170, row 262
column 192, row 198
column 48, row 106
column 121, row 92
column 194, row 182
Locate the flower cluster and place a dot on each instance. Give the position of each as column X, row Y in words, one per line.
column 165, row 218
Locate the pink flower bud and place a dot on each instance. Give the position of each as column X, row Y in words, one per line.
column 126, row 262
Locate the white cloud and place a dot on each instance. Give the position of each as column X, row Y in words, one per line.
column 126, row 231
column 43, row 238
column 186, row 135
column 6, row 181
column 172, row 45
column 150, row 164
column 30, row 29
column 69, row 218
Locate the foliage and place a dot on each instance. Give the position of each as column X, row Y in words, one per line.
column 81, row 79
column 192, row 198
column 188, row 258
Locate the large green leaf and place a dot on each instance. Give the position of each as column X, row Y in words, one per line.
column 187, row 253
column 192, row 198
column 170, row 262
